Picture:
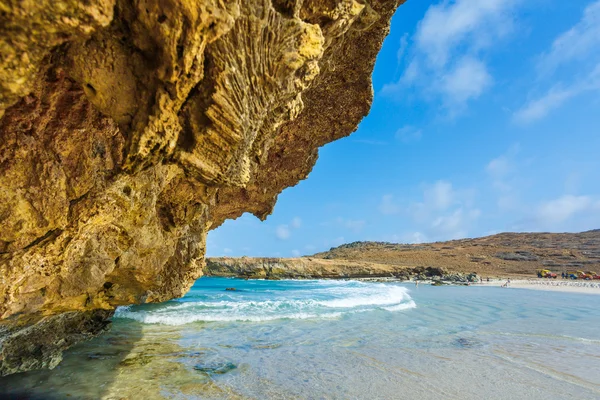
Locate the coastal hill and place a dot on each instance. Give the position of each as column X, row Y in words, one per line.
column 501, row 255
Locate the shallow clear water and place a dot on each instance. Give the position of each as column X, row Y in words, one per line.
column 337, row 340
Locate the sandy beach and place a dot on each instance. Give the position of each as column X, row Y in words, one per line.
column 558, row 285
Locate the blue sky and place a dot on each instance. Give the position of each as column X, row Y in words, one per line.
column 485, row 119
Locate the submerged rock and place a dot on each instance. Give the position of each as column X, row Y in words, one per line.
column 467, row 343
column 128, row 130
column 215, row 368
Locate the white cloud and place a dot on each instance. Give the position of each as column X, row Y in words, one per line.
column 450, row 24
column 577, row 48
column 418, row 237
column 411, row 238
column 576, row 44
column 296, row 253
column 566, row 207
column 353, row 225
column 444, row 212
column 408, row 134
column 439, row 196
column 296, row 222
column 467, row 80
column 227, row 250
column 448, row 47
column 387, row 206
column 402, row 47
column 449, row 226
column 371, row 142
column 499, row 167
column 501, row 171
column 538, row 108
column 283, row 232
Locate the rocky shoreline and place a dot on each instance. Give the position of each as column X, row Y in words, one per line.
column 312, row 268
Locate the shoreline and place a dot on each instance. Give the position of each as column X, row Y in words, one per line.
column 585, row 287
column 565, row 286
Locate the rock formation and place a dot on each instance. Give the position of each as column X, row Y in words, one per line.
column 129, row 129
column 318, row 268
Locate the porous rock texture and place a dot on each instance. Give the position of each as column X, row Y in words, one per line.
column 130, row 128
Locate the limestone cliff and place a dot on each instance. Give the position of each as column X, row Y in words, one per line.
column 302, row 268
column 129, row 129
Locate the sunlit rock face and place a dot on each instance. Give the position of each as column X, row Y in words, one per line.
column 129, row 129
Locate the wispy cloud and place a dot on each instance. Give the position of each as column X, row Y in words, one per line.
column 354, row 225
column 555, row 97
column 388, row 206
column 465, row 81
column 554, row 212
column 577, row 44
column 371, row 142
column 402, row 47
column 408, row 134
column 439, row 195
column 443, row 212
column 452, row 25
column 411, row 238
column 577, row 48
column 296, row 222
column 447, row 51
column 501, row 172
column 283, row 232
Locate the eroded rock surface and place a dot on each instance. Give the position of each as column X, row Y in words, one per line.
column 129, row 129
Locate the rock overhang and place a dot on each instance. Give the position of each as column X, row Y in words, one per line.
column 130, row 129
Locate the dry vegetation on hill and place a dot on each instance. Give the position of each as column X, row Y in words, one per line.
column 501, row 254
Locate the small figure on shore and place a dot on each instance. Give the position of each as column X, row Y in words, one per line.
column 488, row 278
column 416, row 283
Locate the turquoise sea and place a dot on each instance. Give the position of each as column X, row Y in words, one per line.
column 336, row 340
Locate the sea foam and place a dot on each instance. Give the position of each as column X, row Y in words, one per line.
column 264, row 301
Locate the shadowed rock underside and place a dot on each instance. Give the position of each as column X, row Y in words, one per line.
column 129, row 129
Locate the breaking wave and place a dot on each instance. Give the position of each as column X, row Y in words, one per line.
column 259, row 301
